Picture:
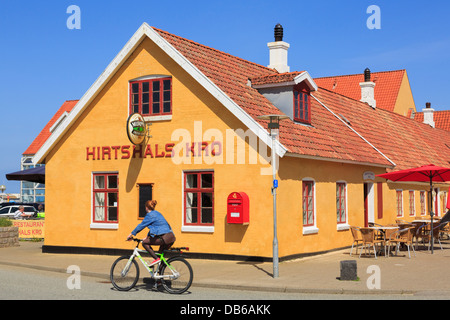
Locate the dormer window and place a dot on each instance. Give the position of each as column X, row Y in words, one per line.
column 302, row 104
column 151, row 96
column 289, row 92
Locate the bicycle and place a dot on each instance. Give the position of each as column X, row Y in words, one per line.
column 175, row 273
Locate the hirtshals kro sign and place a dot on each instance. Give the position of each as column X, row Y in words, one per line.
column 136, row 129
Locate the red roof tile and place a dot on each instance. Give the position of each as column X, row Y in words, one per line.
column 45, row 133
column 387, row 86
column 441, row 119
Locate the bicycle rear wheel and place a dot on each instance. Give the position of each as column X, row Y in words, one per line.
column 178, row 275
column 124, row 273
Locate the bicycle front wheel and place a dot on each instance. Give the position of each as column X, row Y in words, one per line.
column 124, row 273
column 177, row 275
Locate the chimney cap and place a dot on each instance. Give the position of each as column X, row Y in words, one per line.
column 428, row 105
column 278, row 32
column 367, row 75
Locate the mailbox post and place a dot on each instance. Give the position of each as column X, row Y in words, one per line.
column 274, row 125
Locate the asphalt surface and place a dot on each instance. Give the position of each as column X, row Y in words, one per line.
column 423, row 274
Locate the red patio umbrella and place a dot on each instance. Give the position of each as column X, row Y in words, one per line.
column 429, row 173
column 448, row 199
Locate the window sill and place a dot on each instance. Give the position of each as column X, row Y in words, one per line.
column 310, row 230
column 203, row 229
column 106, row 226
column 158, row 118
column 343, row 227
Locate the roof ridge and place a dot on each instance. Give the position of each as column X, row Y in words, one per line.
column 360, row 74
column 216, row 50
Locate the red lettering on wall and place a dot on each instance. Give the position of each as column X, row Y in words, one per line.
column 148, row 151
column 125, row 152
column 213, row 149
column 88, row 153
column 115, row 148
column 169, row 149
column 106, row 151
column 159, row 155
column 190, row 149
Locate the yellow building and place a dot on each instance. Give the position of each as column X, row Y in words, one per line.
column 206, row 144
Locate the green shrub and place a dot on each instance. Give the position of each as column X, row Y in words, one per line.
column 5, row 222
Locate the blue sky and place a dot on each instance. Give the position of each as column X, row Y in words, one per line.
column 43, row 63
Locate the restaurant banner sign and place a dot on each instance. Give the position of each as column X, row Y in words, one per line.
column 30, row 228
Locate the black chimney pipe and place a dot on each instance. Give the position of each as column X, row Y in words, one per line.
column 278, row 32
column 367, row 75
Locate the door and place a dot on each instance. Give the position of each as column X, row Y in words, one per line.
column 369, row 206
column 366, row 209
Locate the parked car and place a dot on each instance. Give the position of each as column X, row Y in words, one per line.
column 9, row 211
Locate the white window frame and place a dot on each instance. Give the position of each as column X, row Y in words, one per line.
column 343, row 225
column 99, row 225
column 310, row 229
column 189, row 228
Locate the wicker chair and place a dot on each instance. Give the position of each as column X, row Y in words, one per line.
column 356, row 238
column 403, row 236
column 436, row 234
column 368, row 240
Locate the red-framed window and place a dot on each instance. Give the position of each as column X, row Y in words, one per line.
column 399, row 203
column 199, row 198
column 341, row 210
column 302, row 104
column 151, row 97
column 423, row 204
column 308, row 203
column 105, row 192
column 412, row 205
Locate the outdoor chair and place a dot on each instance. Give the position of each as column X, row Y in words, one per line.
column 445, row 229
column 388, row 234
column 356, row 238
column 403, row 236
column 368, row 240
column 436, row 234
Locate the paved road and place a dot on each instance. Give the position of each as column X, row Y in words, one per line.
column 18, row 283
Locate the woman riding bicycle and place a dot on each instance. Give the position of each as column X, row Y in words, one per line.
column 160, row 231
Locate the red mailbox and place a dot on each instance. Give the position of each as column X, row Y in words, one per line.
column 238, row 208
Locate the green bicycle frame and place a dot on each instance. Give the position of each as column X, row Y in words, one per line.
column 154, row 275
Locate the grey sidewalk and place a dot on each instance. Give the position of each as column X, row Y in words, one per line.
column 317, row 274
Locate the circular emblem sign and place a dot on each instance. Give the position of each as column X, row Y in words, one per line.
column 136, row 128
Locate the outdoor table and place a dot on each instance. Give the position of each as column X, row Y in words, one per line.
column 383, row 231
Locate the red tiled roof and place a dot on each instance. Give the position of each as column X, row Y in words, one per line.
column 275, row 78
column 441, row 119
column 45, row 133
column 326, row 138
column 387, row 86
column 404, row 141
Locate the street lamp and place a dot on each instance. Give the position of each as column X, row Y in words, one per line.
column 2, row 189
column 274, row 125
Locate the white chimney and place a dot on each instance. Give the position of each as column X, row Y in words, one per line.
column 279, row 51
column 368, row 90
column 428, row 115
